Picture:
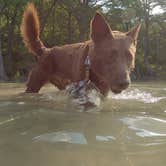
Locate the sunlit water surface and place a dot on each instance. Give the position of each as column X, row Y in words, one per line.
column 52, row 129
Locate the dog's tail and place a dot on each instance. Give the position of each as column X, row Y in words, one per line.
column 30, row 30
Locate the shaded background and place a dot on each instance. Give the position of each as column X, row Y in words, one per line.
column 67, row 21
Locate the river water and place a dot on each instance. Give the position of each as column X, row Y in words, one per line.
column 52, row 129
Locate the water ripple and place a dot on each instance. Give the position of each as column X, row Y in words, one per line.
column 146, row 126
column 61, row 136
column 105, row 138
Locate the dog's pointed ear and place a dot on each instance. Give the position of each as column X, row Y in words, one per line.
column 99, row 28
column 133, row 32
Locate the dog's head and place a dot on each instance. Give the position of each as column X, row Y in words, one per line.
column 113, row 54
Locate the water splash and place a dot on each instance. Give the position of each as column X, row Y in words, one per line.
column 92, row 96
column 137, row 94
column 58, row 96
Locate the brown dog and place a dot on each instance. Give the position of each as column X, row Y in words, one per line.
column 112, row 56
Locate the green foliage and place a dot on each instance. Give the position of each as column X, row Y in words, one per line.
column 67, row 21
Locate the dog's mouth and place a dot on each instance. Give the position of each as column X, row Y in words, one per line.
column 118, row 87
column 116, row 91
column 104, row 87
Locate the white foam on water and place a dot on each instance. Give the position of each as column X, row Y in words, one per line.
column 136, row 94
column 21, row 103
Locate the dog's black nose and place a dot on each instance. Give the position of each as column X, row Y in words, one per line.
column 123, row 84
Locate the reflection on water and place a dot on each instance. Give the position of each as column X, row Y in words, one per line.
column 8, row 120
column 105, row 138
column 146, row 126
column 68, row 137
column 51, row 128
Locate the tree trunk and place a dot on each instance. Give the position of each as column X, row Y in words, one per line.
column 82, row 15
column 49, row 11
column 82, row 34
column 11, row 22
column 69, row 27
column 2, row 70
column 146, row 48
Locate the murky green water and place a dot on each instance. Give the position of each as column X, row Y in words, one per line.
column 50, row 129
